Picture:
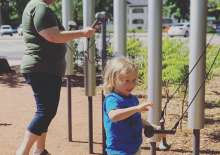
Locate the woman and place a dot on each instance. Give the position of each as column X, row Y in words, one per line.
column 43, row 66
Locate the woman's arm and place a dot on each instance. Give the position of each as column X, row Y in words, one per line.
column 53, row 34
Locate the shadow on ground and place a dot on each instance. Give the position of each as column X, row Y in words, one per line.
column 215, row 136
column 12, row 79
column 77, row 80
column 207, row 151
column 5, row 124
column 212, row 104
column 15, row 79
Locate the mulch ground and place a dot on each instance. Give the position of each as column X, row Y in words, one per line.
column 17, row 108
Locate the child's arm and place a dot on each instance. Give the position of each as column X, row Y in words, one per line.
column 121, row 114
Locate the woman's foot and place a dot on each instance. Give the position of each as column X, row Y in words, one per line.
column 19, row 152
column 45, row 152
column 41, row 152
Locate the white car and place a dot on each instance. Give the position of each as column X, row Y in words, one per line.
column 180, row 29
column 6, row 30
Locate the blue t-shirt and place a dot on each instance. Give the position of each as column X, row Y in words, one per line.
column 122, row 137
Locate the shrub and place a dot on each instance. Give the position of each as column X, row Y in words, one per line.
column 175, row 61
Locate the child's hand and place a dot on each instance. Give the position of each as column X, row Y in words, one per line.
column 145, row 106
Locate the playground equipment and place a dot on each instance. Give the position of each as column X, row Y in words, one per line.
column 120, row 29
column 89, row 66
column 196, row 66
column 102, row 17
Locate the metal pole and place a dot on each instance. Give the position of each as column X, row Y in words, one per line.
column 103, row 130
column 69, row 107
column 153, row 148
column 120, row 30
column 104, row 58
column 197, row 45
column 196, row 141
column 89, row 70
column 163, row 143
column 66, row 13
column 154, row 63
column 90, row 118
column 103, row 43
column 66, row 17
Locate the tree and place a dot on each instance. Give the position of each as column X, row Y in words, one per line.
column 178, row 9
column 19, row 6
column 11, row 10
column 105, row 5
column 214, row 8
column 100, row 5
column 4, row 8
column 77, row 11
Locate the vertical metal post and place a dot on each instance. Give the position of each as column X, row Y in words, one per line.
column 103, row 43
column 153, row 148
column 69, row 107
column 154, row 64
column 89, row 70
column 120, row 30
column 66, row 13
column 163, row 143
column 196, row 141
column 90, row 118
column 66, row 17
column 198, row 17
column 104, row 58
column 103, row 130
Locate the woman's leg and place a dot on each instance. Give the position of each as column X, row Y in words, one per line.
column 46, row 90
column 28, row 141
column 40, row 144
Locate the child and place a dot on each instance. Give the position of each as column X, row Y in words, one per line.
column 122, row 118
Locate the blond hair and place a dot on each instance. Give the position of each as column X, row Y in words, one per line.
column 114, row 68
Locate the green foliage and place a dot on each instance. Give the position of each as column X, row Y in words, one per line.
column 210, row 56
column 56, row 7
column 210, row 29
column 174, row 61
column 180, row 9
column 77, row 11
column 138, row 53
column 12, row 10
column 104, row 5
column 177, row 8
